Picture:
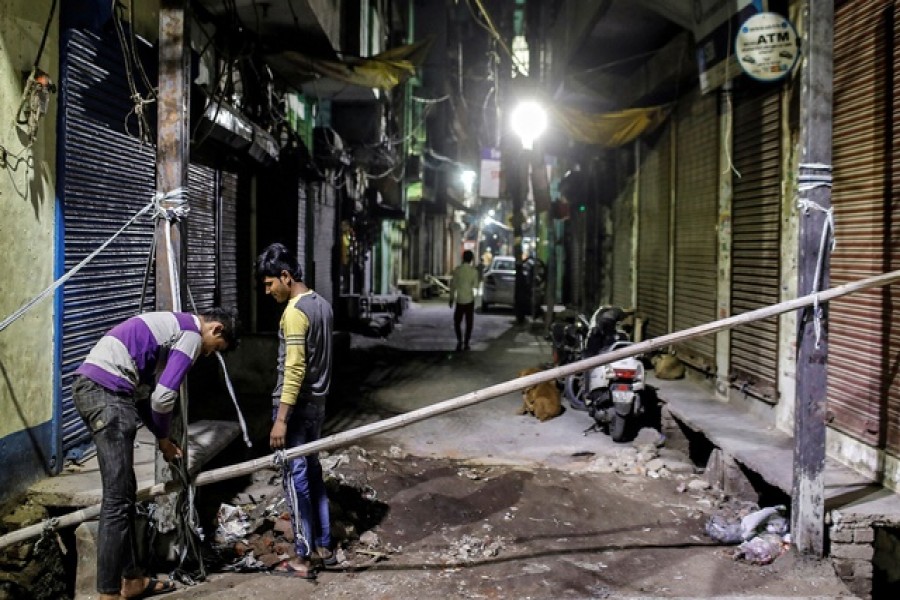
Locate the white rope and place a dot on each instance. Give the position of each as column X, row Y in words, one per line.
column 234, row 401
column 819, row 177
column 52, row 287
column 287, row 480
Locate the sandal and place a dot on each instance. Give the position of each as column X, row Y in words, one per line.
column 154, row 587
column 303, row 571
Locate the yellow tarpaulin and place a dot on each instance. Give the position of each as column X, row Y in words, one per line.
column 386, row 70
column 609, row 129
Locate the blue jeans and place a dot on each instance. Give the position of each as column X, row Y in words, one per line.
column 113, row 422
column 304, row 426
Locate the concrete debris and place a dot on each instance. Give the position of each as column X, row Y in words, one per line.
column 370, row 539
column 647, row 456
column 470, row 548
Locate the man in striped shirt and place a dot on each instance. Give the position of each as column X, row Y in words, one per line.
column 155, row 349
column 304, row 377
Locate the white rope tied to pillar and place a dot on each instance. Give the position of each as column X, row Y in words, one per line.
column 176, row 210
column 812, row 176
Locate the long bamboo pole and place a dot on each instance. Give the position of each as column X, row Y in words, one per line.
column 352, row 435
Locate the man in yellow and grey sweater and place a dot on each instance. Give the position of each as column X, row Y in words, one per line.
column 462, row 291
column 304, row 377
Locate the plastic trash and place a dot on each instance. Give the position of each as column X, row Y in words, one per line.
column 724, row 530
column 756, row 521
column 761, row 550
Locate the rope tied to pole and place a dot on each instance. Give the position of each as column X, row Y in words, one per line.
column 812, row 176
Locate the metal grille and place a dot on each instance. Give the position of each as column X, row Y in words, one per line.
column 864, row 340
column 323, row 231
column 302, row 220
column 696, row 211
column 756, row 242
column 653, row 238
column 201, row 237
column 107, row 177
column 622, row 267
column 228, row 281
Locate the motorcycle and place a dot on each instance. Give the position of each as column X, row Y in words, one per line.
column 568, row 339
column 612, row 393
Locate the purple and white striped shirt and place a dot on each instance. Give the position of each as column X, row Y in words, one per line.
column 153, row 348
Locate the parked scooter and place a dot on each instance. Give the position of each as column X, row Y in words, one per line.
column 610, row 392
column 569, row 339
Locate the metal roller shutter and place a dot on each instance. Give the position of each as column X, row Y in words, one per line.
column 302, row 221
column 696, row 211
column 107, row 176
column 622, row 267
column 863, row 335
column 653, row 238
column 228, row 282
column 323, row 232
column 201, row 237
column 756, row 242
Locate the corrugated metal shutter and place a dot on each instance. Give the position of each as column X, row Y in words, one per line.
column 863, row 339
column 696, row 211
column 653, row 237
column 756, row 243
column 623, row 228
column 324, row 228
column 302, row 220
column 201, row 237
column 228, row 281
column 107, row 177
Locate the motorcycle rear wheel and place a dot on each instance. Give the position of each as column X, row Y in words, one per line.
column 574, row 391
column 618, row 428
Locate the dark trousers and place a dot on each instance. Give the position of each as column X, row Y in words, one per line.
column 113, row 421
column 467, row 311
column 304, row 426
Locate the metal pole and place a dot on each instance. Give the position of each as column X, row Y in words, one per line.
column 345, row 438
column 814, row 194
column 172, row 159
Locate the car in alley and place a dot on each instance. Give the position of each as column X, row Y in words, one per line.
column 498, row 286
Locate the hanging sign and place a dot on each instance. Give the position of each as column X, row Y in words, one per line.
column 767, row 46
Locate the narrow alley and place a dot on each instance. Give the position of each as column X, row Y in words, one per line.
column 485, row 503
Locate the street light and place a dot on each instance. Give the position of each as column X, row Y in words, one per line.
column 467, row 178
column 528, row 121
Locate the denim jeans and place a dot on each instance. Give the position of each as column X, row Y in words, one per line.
column 113, row 421
column 304, row 426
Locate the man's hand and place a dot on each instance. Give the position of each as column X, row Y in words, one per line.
column 169, row 449
column 276, row 436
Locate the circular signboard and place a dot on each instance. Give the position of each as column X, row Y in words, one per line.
column 767, row 46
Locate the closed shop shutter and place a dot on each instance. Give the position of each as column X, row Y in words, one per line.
column 324, row 228
column 228, row 281
column 696, row 210
column 303, row 236
column 756, row 243
column 653, row 237
column 201, row 238
column 864, row 341
column 107, row 177
column 622, row 265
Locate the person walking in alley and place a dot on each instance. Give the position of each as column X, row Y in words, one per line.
column 462, row 291
column 304, row 377
column 155, row 349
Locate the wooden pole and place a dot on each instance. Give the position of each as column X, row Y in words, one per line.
column 345, row 438
column 815, row 235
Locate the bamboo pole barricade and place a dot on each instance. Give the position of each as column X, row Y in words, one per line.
column 352, row 435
